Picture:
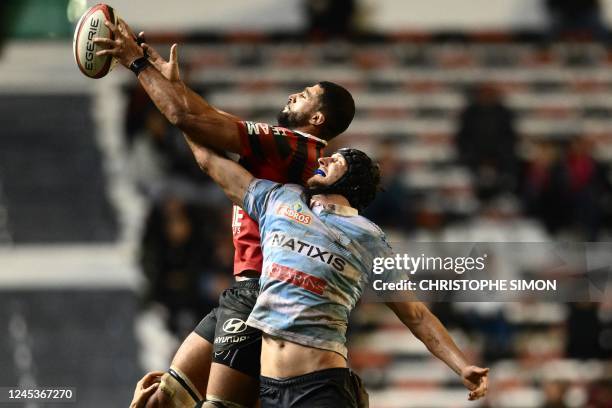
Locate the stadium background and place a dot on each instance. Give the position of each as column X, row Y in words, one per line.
column 492, row 120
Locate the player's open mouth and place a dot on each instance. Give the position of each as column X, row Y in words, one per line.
column 319, row 172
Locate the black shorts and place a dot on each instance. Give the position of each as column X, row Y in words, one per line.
column 235, row 344
column 330, row 388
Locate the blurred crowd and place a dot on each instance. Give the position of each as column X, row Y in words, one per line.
column 559, row 183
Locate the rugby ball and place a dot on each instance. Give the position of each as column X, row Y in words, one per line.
column 90, row 26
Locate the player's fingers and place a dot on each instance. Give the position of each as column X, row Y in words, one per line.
column 481, row 391
column 174, row 54
column 153, row 377
column 139, row 384
column 121, row 28
column 110, row 51
column 154, row 57
column 141, row 37
column 150, row 389
column 125, row 28
column 141, row 397
column 112, row 27
column 481, row 371
column 104, row 41
column 153, row 54
column 174, row 74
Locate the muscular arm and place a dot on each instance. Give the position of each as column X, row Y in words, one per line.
column 230, row 176
column 427, row 328
column 204, row 124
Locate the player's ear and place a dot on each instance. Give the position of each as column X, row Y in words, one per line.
column 317, row 118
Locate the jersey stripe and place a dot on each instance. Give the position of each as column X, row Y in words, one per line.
column 314, row 153
column 282, row 146
column 298, row 161
column 256, row 146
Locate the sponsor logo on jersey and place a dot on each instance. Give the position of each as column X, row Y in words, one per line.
column 229, row 339
column 297, row 278
column 307, row 249
column 234, row 326
column 294, row 214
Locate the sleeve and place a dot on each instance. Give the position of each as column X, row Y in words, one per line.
column 255, row 200
column 263, row 142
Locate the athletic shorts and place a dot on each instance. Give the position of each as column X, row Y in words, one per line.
column 235, row 344
column 330, row 388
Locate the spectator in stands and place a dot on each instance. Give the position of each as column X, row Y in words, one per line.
column 138, row 104
column 543, row 187
column 554, row 394
column 577, row 18
column 330, row 17
column 160, row 156
column 393, row 207
column 574, row 178
column 588, row 189
column 486, row 141
column 583, row 318
column 174, row 254
column 600, row 394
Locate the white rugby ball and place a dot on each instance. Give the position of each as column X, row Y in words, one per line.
column 90, row 26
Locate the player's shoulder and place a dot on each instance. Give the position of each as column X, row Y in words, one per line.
column 368, row 228
column 293, row 189
column 288, row 195
column 277, row 190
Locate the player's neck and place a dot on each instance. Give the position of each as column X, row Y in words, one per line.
column 309, row 129
column 327, row 199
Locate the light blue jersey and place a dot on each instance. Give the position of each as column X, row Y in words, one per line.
column 316, row 264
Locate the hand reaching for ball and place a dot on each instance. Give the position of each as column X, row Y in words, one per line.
column 123, row 47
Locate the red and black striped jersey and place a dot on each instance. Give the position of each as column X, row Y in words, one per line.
column 277, row 154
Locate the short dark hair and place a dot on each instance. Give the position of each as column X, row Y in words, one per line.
column 338, row 106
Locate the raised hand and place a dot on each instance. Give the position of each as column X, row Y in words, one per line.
column 124, row 47
column 169, row 69
column 476, row 380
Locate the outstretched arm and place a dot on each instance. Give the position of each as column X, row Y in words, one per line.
column 204, row 124
column 427, row 328
column 230, row 176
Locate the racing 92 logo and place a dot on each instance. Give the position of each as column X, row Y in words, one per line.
column 234, row 326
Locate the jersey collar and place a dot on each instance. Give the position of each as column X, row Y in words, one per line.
column 308, row 135
column 338, row 209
